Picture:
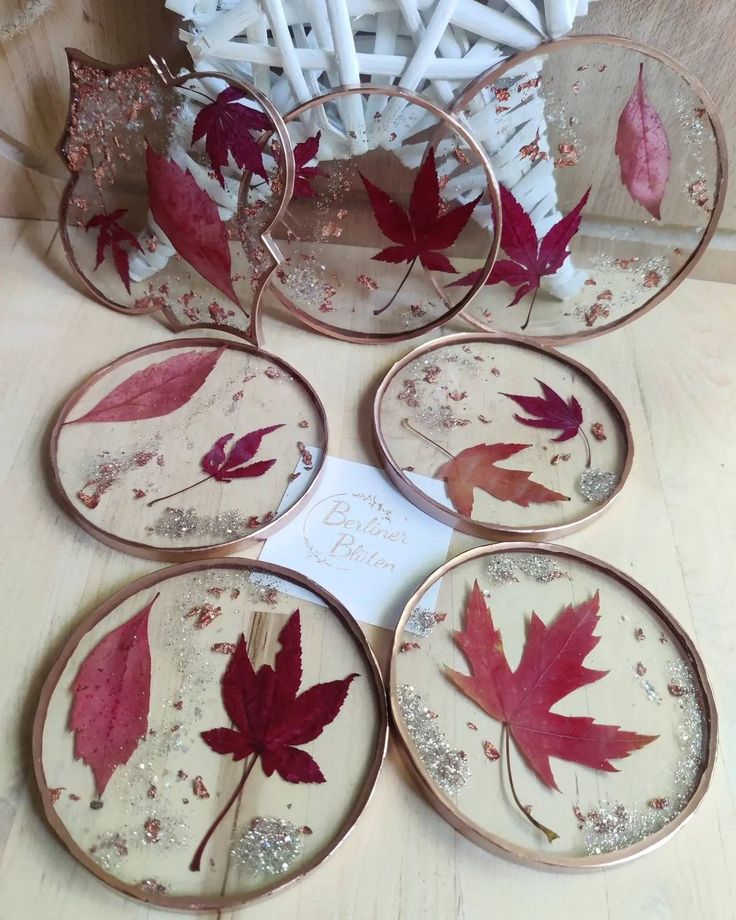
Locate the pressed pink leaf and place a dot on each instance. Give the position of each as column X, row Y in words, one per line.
column 643, row 150
column 111, row 233
column 224, row 467
column 551, row 412
column 190, row 220
column 156, row 390
column 111, row 698
column 551, row 667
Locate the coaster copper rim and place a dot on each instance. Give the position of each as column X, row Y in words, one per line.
column 168, row 554
column 168, row 80
column 491, row 187
column 498, row 845
column 205, row 903
column 452, row 518
column 719, row 192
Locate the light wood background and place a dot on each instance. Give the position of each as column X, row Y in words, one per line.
column 34, row 76
column 672, row 529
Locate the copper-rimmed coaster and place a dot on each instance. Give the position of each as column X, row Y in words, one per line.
column 210, row 734
column 185, row 448
column 553, row 710
column 528, row 442
column 393, row 200
column 612, row 164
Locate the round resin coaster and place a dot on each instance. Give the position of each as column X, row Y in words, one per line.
column 553, row 710
column 612, row 166
column 385, row 214
column 172, row 193
column 210, row 734
column 497, row 436
column 186, row 448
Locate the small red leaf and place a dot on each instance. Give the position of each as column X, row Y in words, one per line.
column 643, row 150
column 224, row 468
column 190, row 220
column 111, row 698
column 551, row 667
column 303, row 153
column 113, row 234
column 551, row 412
column 156, row 390
column 474, row 468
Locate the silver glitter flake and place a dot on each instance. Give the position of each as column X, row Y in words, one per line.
column 181, row 523
column 504, row 568
column 421, row 622
column 447, row 767
column 269, row 846
column 597, row 485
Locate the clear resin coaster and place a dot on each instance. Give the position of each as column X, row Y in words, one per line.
column 187, row 448
column 210, row 734
column 391, row 203
column 553, row 710
column 527, row 441
column 611, row 161
column 172, row 192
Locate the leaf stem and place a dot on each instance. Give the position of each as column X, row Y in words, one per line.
column 195, row 864
column 191, row 89
column 172, row 494
column 407, row 424
column 531, row 307
column 549, row 834
column 396, row 292
column 587, row 446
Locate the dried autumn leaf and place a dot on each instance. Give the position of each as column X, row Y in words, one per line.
column 112, row 233
column 111, row 697
column 474, row 468
column 303, row 154
column 529, row 259
column 551, row 412
column 224, row 469
column 643, row 150
column 156, row 390
column 190, row 220
column 226, row 126
column 551, row 667
column 270, row 718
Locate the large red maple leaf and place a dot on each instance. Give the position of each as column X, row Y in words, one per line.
column 424, row 232
column 530, row 259
column 270, row 718
column 226, row 126
column 551, row 667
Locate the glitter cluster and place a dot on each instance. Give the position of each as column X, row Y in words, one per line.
column 422, row 621
column 597, row 485
column 269, row 846
column 183, row 523
column 503, row 568
column 447, row 766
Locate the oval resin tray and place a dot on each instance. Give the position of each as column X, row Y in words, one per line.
column 186, row 448
column 553, row 710
column 210, row 734
column 527, row 441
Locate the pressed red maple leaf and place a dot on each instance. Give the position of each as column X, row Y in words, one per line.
column 226, row 125
column 643, row 150
column 422, row 233
column 530, row 259
column 474, row 468
column 112, row 233
column 554, row 413
column 551, row 667
column 224, row 468
column 303, row 154
column 270, row 718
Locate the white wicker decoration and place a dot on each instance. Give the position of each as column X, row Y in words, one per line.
column 294, row 50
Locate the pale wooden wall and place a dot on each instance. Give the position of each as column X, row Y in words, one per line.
column 33, row 74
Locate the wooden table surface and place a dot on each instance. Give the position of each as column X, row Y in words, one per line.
column 672, row 528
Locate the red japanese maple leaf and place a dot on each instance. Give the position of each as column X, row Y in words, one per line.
column 270, row 718
column 224, row 468
column 551, row 667
column 226, row 126
column 474, row 468
column 113, row 234
column 529, row 259
column 424, row 231
column 552, row 412
column 303, row 153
